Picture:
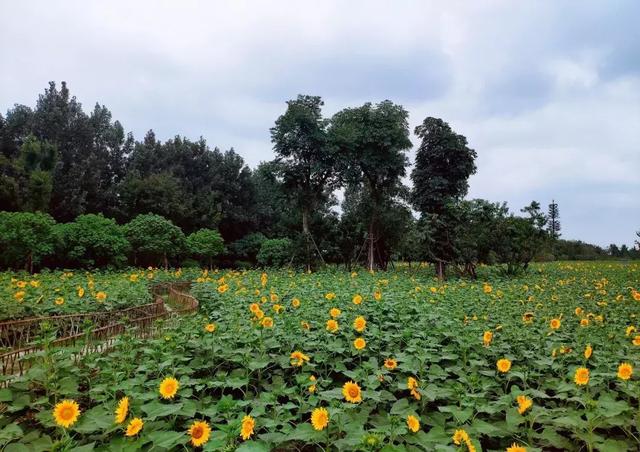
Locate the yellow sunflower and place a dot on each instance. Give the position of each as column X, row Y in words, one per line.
column 210, row 327
column 246, row 430
column 581, row 376
column 487, row 337
column 295, row 303
column 555, row 324
column 351, row 392
column 524, row 403
column 359, row 324
column 335, row 313
column 169, row 387
column 359, row 343
column 332, row 326
column 390, row 363
column 357, row 299
column 66, row 413
column 267, row 322
column 101, row 296
column 413, row 423
column 199, row 432
column 503, row 365
column 319, row 418
column 134, row 427
column 515, row 447
column 588, row 351
column 298, row 358
column 636, row 341
column 625, row 370
column 122, row 410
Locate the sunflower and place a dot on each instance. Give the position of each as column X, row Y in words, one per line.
column 584, row 322
column 629, row 330
column 578, row 311
column 199, row 432
column 588, row 351
column 267, row 322
column 223, row 288
column 66, row 413
column 248, row 423
column 487, row 288
column 624, row 371
column 80, row 292
column 412, row 385
column 19, row 295
column 254, row 307
column 503, row 365
column 460, row 436
column 59, row 301
column 527, row 317
column 169, row 387
column 332, row 326
column 210, row 327
column 330, row 296
column 555, row 324
column 305, row 325
column 319, row 418
column 377, row 295
column 390, row 363
column 101, row 296
column 263, row 279
column 487, row 337
column 351, row 392
column 581, row 376
column 357, row 299
column 413, row 423
column 295, row 303
column 359, row 324
column 335, row 313
column 636, row 341
column 122, row 410
column 636, row 295
column 259, row 314
column 134, row 427
column 298, row 358
column 277, row 308
column 515, row 447
column 524, row 403
column 274, row 297
column 359, row 343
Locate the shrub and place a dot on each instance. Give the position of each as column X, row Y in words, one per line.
column 154, row 237
column 93, row 241
column 25, row 238
column 205, row 243
column 274, row 252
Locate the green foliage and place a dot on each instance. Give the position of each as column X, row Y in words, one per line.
column 154, row 237
column 275, row 252
column 25, row 238
column 93, row 241
column 434, row 333
column 249, row 246
column 443, row 166
column 205, row 243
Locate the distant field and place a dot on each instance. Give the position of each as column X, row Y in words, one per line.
column 411, row 346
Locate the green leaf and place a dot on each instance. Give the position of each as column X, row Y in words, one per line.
column 156, row 409
column 167, row 440
column 253, row 446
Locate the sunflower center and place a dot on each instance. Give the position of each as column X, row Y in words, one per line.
column 197, row 432
column 66, row 413
column 353, row 392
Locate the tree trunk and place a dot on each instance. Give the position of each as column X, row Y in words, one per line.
column 307, row 235
column 29, row 265
column 440, row 270
column 166, row 261
column 210, row 262
column 370, row 255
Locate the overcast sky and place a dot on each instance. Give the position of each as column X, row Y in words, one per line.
column 548, row 93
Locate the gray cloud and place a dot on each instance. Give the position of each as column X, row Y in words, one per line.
column 547, row 92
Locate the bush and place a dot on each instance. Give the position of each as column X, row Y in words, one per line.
column 248, row 247
column 25, row 238
column 205, row 243
column 153, row 237
column 93, row 241
column 274, row 252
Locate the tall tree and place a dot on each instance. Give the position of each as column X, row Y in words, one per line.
column 372, row 141
column 440, row 177
column 300, row 142
column 554, row 220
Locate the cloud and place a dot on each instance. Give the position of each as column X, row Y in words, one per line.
column 548, row 93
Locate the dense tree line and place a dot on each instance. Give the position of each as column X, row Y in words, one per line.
column 78, row 191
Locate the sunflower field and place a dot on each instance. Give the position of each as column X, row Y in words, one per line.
column 385, row 361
